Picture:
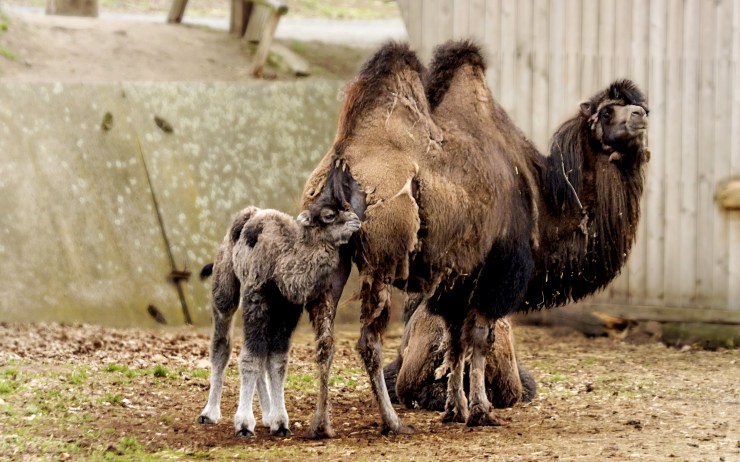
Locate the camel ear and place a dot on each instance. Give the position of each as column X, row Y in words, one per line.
column 586, row 108
column 304, row 218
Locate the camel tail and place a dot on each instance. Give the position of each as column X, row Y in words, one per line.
column 206, row 271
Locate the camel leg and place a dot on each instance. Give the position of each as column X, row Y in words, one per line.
column 374, row 318
column 225, row 294
column 263, row 391
column 277, row 364
column 251, row 366
column 478, row 334
column 456, row 406
column 322, row 315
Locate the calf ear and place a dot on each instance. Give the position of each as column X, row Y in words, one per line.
column 586, row 108
column 304, row 218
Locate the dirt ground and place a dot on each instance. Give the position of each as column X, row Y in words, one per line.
column 71, row 392
column 88, row 392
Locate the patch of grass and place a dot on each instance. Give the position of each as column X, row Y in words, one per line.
column 78, row 377
column 298, row 381
column 557, row 377
column 200, row 373
column 7, row 54
column 7, row 387
column 114, row 399
column 161, row 372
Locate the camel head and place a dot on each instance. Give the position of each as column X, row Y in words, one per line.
column 618, row 120
column 330, row 225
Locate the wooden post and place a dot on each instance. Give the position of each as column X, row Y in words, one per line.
column 177, row 11
column 72, row 7
column 277, row 9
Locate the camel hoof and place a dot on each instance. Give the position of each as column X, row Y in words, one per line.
column 482, row 418
column 204, row 420
column 320, row 434
column 454, row 416
column 245, row 433
column 282, row 431
column 401, row 430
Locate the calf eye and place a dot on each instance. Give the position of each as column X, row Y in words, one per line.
column 328, row 216
column 606, row 114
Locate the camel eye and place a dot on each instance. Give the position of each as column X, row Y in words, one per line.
column 328, row 216
column 606, row 114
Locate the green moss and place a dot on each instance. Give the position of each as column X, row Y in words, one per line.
column 78, row 377
column 112, row 398
column 161, row 372
column 298, row 381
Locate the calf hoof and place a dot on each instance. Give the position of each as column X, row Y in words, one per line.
column 205, row 420
column 245, row 433
column 281, row 431
column 480, row 417
column 321, row 433
column 400, row 430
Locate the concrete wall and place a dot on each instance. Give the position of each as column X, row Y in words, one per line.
column 80, row 238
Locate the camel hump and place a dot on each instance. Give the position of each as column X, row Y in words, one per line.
column 392, row 73
column 448, row 59
column 391, row 58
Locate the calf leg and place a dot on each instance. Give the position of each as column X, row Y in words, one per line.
column 277, row 364
column 478, row 334
column 251, row 367
column 225, row 295
column 375, row 313
column 263, row 390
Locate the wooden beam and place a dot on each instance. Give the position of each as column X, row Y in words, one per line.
column 177, row 11
column 277, row 8
column 662, row 313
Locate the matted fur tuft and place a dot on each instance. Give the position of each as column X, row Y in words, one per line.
column 448, row 58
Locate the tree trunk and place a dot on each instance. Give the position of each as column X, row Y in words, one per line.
column 72, row 7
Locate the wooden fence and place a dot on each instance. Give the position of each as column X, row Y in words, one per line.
column 545, row 56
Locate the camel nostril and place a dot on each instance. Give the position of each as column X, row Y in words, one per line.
column 638, row 112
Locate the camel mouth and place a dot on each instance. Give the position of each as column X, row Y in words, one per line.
column 353, row 225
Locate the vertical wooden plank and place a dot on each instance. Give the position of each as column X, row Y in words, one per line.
column 733, row 299
column 540, row 73
column 557, row 57
column 507, row 95
column 414, row 24
column 572, row 93
column 523, row 109
column 654, row 212
column 639, row 48
column 477, row 20
column 444, row 21
column 492, row 39
column 705, row 209
column 722, row 121
column 590, row 44
column 460, row 18
column 672, row 152
column 607, row 40
column 429, row 28
column 689, row 149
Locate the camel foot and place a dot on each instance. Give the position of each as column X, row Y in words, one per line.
column 245, row 433
column 400, row 430
column 205, row 420
column 480, row 417
column 281, row 431
column 320, row 433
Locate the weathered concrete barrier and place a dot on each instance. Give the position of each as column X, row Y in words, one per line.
column 106, row 190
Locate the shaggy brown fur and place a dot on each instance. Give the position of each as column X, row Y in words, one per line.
column 463, row 209
column 279, row 265
column 411, row 377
